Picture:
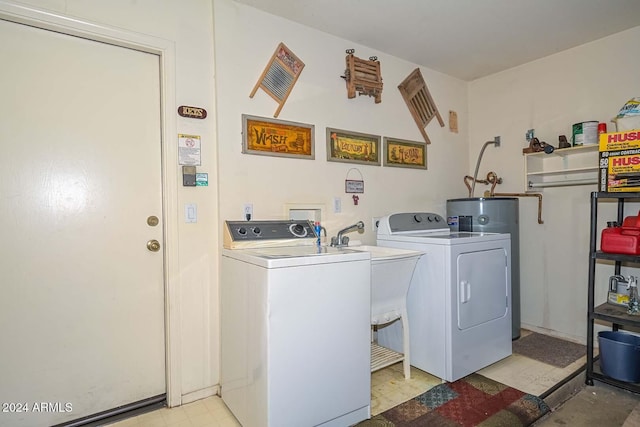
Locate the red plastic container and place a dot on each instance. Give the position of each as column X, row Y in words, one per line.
column 622, row 240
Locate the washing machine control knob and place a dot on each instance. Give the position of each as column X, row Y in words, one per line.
column 418, row 218
column 298, row 230
column 430, row 218
column 256, row 230
column 242, row 231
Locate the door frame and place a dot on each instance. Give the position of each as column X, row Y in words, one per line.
column 165, row 50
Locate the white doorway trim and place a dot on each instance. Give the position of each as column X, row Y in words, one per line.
column 165, row 49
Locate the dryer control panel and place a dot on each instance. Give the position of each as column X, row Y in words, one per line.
column 412, row 222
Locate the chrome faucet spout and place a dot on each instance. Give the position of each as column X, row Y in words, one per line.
column 341, row 240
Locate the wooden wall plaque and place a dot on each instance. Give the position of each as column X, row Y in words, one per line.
column 192, row 112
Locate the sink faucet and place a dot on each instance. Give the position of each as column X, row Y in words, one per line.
column 340, row 240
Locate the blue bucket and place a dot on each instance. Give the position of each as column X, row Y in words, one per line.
column 620, row 355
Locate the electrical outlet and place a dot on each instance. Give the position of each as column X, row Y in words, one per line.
column 247, row 212
column 375, row 221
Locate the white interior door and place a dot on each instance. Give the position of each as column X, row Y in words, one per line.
column 81, row 295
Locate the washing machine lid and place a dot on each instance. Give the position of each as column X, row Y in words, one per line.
column 293, row 256
column 445, row 238
column 427, row 228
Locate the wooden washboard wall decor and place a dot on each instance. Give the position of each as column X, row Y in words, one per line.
column 279, row 76
column 421, row 105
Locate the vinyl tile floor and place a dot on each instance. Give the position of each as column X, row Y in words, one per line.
column 388, row 389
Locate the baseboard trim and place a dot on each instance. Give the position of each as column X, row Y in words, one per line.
column 200, row 394
column 552, row 333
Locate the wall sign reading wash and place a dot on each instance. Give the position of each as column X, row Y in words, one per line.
column 192, row 112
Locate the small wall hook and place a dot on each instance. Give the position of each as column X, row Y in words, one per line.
column 355, row 199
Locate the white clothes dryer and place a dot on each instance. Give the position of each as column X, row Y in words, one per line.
column 295, row 327
column 459, row 300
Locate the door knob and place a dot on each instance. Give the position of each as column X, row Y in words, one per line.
column 153, row 245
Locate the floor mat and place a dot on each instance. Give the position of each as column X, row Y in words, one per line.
column 470, row 401
column 548, row 349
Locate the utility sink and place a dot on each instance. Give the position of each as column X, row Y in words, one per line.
column 391, row 273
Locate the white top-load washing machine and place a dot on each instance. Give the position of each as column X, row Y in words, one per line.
column 459, row 300
column 295, row 327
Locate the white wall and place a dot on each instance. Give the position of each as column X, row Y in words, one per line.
column 188, row 25
column 590, row 82
column 245, row 39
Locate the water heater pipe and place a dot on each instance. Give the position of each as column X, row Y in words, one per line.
column 492, row 178
column 496, row 142
column 538, row 195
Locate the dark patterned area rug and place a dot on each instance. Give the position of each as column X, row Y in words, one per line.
column 550, row 350
column 470, row 401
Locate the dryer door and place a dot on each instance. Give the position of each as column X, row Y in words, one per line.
column 482, row 287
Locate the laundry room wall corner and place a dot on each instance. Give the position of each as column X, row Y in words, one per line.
column 549, row 95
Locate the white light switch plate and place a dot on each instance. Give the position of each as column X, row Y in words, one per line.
column 337, row 205
column 190, row 213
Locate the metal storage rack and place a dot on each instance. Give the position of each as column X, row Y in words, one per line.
column 616, row 315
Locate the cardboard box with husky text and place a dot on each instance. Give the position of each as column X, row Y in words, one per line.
column 619, row 162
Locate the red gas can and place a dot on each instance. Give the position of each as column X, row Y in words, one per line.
column 622, row 240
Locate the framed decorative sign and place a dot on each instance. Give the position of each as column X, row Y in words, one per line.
column 405, row 154
column 353, row 186
column 270, row 137
column 352, row 147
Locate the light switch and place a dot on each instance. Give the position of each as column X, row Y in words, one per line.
column 190, row 213
column 337, row 205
